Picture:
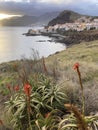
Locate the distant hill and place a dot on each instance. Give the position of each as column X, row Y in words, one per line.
column 68, row 16
column 19, row 21
column 29, row 20
column 45, row 18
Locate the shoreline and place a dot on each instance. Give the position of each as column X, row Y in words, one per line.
column 21, row 60
column 69, row 37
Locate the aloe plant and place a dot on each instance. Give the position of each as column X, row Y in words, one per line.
column 27, row 107
column 70, row 122
column 47, row 122
column 77, row 120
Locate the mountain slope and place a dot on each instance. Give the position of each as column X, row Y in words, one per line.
column 45, row 18
column 19, row 21
column 68, row 16
column 29, row 20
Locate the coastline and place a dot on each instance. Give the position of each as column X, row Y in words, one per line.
column 69, row 37
column 88, row 59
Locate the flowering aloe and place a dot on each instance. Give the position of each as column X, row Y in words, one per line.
column 27, row 89
column 47, row 115
column 30, row 111
column 9, row 87
column 1, row 122
column 76, row 67
column 16, row 88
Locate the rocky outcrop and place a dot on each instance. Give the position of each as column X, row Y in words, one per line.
column 77, row 37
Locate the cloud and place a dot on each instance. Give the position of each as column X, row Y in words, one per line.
column 65, row 2
column 37, row 7
column 52, row 1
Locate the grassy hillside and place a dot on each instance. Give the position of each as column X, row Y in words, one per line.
column 86, row 54
column 59, row 67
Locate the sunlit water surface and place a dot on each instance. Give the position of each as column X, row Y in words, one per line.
column 14, row 45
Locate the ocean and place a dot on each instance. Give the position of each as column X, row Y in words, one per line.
column 14, row 45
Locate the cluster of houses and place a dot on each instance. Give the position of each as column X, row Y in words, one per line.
column 77, row 25
column 80, row 24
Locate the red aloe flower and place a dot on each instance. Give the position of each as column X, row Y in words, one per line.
column 1, row 122
column 27, row 89
column 16, row 88
column 15, row 67
column 47, row 115
column 76, row 66
column 9, row 87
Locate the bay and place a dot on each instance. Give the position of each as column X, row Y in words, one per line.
column 14, row 45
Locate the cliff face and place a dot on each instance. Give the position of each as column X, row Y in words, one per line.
column 74, row 37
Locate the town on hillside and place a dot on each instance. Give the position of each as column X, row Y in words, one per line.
column 80, row 24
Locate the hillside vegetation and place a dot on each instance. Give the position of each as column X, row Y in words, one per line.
column 86, row 54
column 36, row 90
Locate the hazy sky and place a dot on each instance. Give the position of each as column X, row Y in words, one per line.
column 35, row 7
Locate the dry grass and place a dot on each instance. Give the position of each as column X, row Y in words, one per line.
column 86, row 54
column 61, row 67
